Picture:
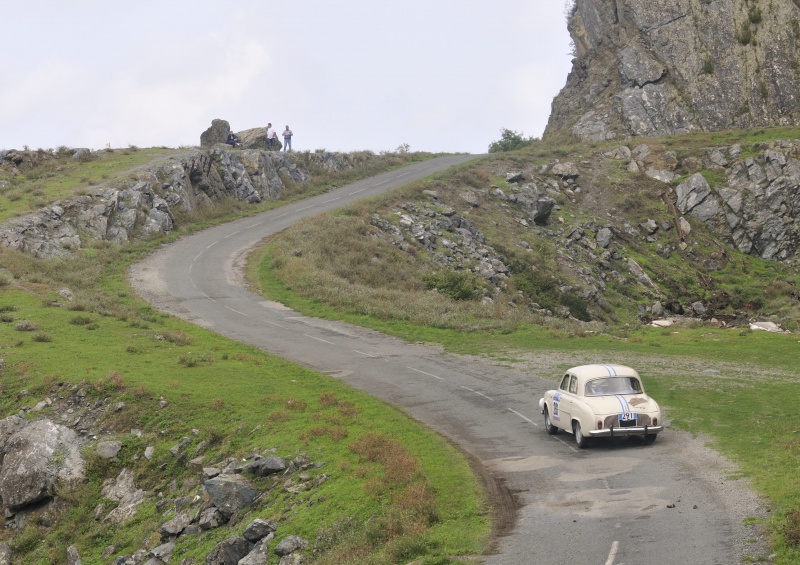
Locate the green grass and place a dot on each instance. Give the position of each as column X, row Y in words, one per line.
column 416, row 497
column 62, row 177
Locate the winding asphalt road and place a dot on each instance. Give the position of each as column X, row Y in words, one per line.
column 616, row 503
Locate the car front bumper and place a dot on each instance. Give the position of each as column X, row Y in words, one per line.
column 631, row 431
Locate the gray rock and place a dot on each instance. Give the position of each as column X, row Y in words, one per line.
column 265, row 466
column 290, row 544
column 259, row 555
column 211, row 518
column 604, row 237
column 229, row 493
column 217, row 133
column 565, row 170
column 39, row 458
column 163, row 552
column 177, row 524
column 681, row 66
column 123, row 490
column 258, row 529
column 229, row 551
column 73, row 557
column 108, row 449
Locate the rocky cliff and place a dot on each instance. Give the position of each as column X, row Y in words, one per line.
column 662, row 67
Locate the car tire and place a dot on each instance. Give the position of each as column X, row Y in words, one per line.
column 549, row 427
column 650, row 438
column 581, row 440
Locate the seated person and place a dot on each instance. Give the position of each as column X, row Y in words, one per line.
column 233, row 139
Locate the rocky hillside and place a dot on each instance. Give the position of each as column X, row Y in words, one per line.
column 606, row 233
column 661, row 67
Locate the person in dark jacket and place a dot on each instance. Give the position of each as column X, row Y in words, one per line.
column 233, row 139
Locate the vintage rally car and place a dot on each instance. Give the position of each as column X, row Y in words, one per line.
column 601, row 401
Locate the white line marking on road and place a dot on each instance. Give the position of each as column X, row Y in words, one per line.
column 234, row 233
column 281, row 216
column 212, row 245
column 384, row 182
column 274, row 324
column 305, row 208
column 237, row 311
column 567, row 443
column 254, row 225
column 613, row 553
column 476, row 392
column 364, row 354
column 523, row 417
column 332, row 200
column 424, row 373
column 356, row 191
column 320, row 339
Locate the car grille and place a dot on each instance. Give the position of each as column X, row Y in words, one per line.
column 613, row 421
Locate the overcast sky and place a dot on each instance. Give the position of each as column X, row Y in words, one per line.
column 438, row 75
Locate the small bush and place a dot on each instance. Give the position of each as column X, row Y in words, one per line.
column 745, row 34
column 458, row 285
column 26, row 326
column 178, row 338
column 80, row 320
column 42, row 337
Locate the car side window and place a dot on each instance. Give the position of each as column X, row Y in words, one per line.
column 573, row 385
column 564, row 383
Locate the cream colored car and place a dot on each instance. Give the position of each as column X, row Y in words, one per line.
column 595, row 401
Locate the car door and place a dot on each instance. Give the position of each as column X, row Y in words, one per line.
column 562, row 404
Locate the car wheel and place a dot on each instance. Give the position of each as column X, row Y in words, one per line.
column 580, row 439
column 548, row 424
column 650, row 438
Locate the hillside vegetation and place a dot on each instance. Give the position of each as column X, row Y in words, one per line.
column 460, row 260
column 363, row 484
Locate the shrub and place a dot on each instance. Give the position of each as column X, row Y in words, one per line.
column 42, row 337
column 458, row 285
column 510, row 141
column 26, row 326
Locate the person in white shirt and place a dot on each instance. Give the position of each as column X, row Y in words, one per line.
column 270, row 136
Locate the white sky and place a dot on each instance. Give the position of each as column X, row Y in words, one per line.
column 439, row 75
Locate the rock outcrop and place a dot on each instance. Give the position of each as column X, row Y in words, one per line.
column 148, row 205
column 661, row 67
column 38, row 458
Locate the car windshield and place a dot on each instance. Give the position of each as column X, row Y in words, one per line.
column 613, row 385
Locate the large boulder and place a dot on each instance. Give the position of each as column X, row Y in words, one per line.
column 38, row 460
column 217, row 133
column 229, row 493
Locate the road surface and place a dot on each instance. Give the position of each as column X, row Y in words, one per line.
column 616, row 503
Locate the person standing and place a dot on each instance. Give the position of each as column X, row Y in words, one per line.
column 270, row 136
column 287, row 139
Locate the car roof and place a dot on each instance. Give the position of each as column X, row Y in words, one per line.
column 596, row 371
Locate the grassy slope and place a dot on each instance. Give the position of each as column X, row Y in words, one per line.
column 413, row 496
column 738, row 386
